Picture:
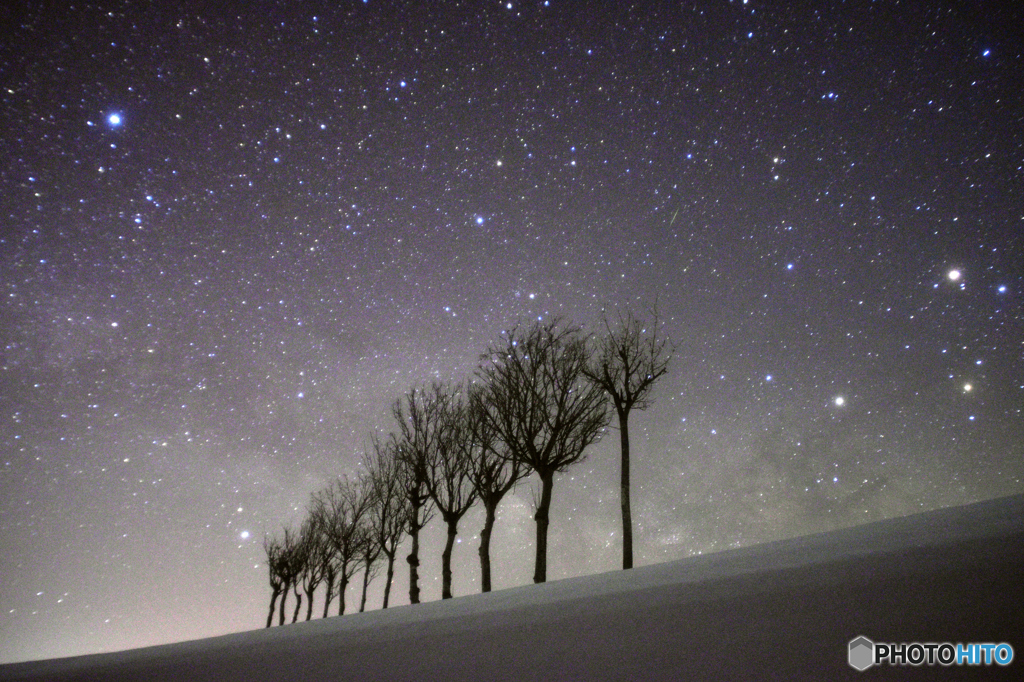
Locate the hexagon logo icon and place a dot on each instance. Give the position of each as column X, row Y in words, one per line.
column 862, row 653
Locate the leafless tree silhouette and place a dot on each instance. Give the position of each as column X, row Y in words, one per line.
column 449, row 479
column 630, row 358
column 542, row 406
column 492, row 469
column 291, row 566
column 339, row 510
column 330, row 578
column 419, row 428
column 318, row 554
column 388, row 513
column 369, row 557
column 272, row 548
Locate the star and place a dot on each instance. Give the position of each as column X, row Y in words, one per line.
column 115, row 120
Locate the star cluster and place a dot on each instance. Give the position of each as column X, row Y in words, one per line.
column 232, row 235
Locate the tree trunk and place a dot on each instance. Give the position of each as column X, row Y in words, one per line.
column 414, row 563
column 284, row 598
column 309, row 605
column 391, row 574
column 273, row 601
column 298, row 605
column 627, row 517
column 485, row 546
column 329, row 597
column 446, row 560
column 366, row 581
column 342, row 586
column 540, row 570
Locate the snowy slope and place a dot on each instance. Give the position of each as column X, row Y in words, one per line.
column 783, row 610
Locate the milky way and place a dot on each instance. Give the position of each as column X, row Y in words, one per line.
column 233, row 235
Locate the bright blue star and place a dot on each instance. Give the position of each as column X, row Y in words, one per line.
column 479, row 220
column 114, row 120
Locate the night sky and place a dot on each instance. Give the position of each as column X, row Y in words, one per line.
column 230, row 237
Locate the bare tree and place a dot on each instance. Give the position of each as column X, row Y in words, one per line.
column 388, row 513
column 419, row 427
column 493, row 471
column 286, row 569
column 630, row 358
column 339, row 509
column 449, row 479
column 318, row 555
column 291, row 566
column 369, row 557
column 272, row 548
column 541, row 405
column 330, row 576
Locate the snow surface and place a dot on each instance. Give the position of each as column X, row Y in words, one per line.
column 782, row 610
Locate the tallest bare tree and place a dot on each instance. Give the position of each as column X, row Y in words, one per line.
column 542, row 407
column 629, row 360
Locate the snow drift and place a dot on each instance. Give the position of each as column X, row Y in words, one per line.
column 782, row 610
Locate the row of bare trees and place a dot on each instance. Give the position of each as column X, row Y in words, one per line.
column 538, row 400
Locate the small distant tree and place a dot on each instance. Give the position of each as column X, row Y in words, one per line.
column 272, row 548
column 449, row 476
column 369, row 557
column 291, row 565
column 630, row 358
column 418, row 416
column 492, row 469
column 388, row 513
column 339, row 510
column 285, row 564
column 543, row 408
column 318, row 555
column 330, row 578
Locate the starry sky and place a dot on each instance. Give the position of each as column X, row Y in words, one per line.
column 231, row 234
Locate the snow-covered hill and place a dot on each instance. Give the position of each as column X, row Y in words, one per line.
column 783, row 610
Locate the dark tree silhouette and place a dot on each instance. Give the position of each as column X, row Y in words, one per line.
column 542, row 406
column 292, row 564
column 630, row 358
column 289, row 566
column 330, row 576
column 493, row 471
column 318, row 554
column 369, row 557
column 339, row 510
column 297, row 561
column 388, row 513
column 419, row 427
column 449, row 479
column 272, row 548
